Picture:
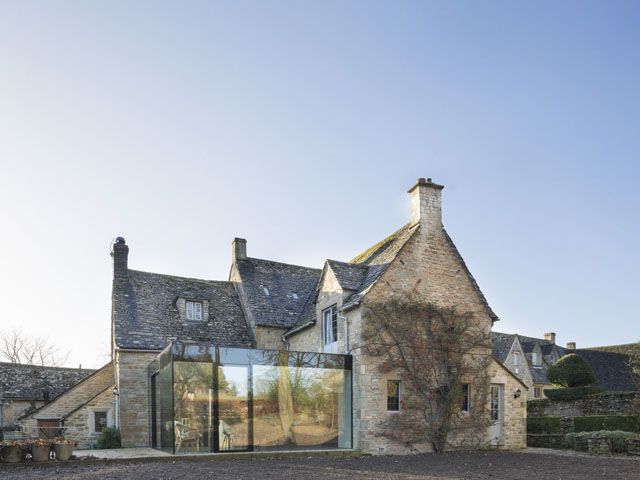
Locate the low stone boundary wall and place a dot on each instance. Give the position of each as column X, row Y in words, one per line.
column 611, row 403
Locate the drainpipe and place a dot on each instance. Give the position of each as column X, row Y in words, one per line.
column 285, row 341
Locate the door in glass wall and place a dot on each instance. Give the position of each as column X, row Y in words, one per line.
column 193, row 406
column 234, row 424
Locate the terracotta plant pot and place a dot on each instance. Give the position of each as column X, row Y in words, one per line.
column 63, row 451
column 11, row 454
column 40, row 453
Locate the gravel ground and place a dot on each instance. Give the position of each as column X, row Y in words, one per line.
column 476, row 465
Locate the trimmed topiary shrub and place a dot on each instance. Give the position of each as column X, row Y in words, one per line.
column 109, row 438
column 625, row 423
column 548, row 425
column 571, row 393
column 571, row 371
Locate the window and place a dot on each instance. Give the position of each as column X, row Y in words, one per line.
column 330, row 325
column 466, row 397
column 99, row 421
column 393, row 395
column 194, row 310
column 537, row 392
column 516, row 361
column 535, row 359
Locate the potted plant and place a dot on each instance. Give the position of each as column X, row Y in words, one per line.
column 10, row 451
column 63, row 448
column 40, row 449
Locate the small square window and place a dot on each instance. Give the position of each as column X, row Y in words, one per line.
column 466, row 397
column 194, row 310
column 394, row 392
column 99, row 421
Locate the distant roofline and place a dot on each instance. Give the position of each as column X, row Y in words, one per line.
column 11, row 364
column 279, row 263
column 167, row 275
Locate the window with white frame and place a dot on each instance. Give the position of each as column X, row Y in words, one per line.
column 194, row 310
column 330, row 325
column 516, row 361
column 535, row 359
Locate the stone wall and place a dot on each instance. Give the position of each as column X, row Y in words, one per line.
column 515, row 406
column 133, row 384
column 80, row 425
column 270, row 338
column 610, row 403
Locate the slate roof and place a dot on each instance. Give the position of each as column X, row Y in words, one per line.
column 28, row 382
column 146, row 317
column 350, row 276
column 277, row 292
column 376, row 259
column 612, row 370
column 501, row 345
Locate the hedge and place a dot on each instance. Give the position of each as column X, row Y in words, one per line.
column 625, row 423
column 571, row 393
column 109, row 438
column 571, row 371
column 543, row 425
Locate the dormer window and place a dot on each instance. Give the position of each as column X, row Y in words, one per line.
column 516, row 361
column 194, row 310
column 535, row 359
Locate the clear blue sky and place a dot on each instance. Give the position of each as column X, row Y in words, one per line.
column 299, row 126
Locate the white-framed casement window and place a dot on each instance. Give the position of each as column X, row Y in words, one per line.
column 194, row 310
column 330, row 329
column 535, row 360
column 516, row 361
column 99, row 419
column 466, row 398
column 394, row 395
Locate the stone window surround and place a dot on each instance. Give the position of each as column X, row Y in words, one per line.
column 181, row 306
column 92, row 418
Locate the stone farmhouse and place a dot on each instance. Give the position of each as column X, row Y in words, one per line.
column 529, row 359
column 23, row 388
column 272, row 358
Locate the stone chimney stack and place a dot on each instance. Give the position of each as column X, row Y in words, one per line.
column 239, row 250
column 550, row 337
column 571, row 345
column 120, row 254
column 426, row 204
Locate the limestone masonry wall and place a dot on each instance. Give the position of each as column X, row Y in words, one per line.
column 133, row 385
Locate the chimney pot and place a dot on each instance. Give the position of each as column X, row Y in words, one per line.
column 550, row 337
column 239, row 250
column 571, row 345
column 120, row 254
column 426, row 204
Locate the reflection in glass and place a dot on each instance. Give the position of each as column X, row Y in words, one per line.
column 256, row 399
column 193, row 404
column 233, row 395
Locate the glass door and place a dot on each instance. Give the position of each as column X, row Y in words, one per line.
column 235, row 419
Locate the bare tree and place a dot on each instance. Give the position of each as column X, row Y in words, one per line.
column 16, row 347
column 436, row 351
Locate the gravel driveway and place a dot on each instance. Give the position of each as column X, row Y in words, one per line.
column 475, row 465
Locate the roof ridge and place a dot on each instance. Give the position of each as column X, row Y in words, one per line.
column 280, row 263
column 168, row 275
column 51, row 367
column 372, row 250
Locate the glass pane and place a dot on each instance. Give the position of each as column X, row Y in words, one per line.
column 233, row 388
column 299, row 407
column 193, row 406
column 165, row 388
